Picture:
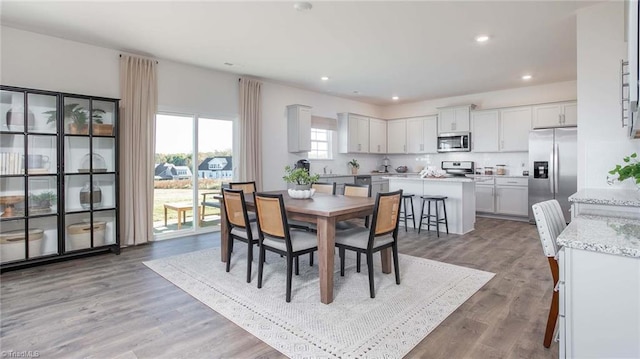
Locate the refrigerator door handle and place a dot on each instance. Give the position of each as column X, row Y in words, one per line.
column 552, row 174
column 556, row 169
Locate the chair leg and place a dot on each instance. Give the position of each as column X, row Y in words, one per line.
column 289, row 276
column 446, row 223
column 229, row 253
column 366, row 222
column 260, row 266
column 421, row 216
column 413, row 215
column 405, row 214
column 372, row 290
column 341, row 253
column 396, row 264
column 297, row 265
column 437, row 219
column 428, row 215
column 311, row 259
column 551, row 321
column 249, row 260
column 358, row 261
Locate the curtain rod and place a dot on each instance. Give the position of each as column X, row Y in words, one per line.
column 149, row 59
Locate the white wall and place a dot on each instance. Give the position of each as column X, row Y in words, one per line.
column 560, row 91
column 602, row 142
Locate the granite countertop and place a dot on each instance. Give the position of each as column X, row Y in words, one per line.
column 610, row 235
column 607, row 196
column 439, row 179
column 506, row 176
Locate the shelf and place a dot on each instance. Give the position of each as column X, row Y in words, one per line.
column 87, row 173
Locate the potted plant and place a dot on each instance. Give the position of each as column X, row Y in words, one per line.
column 630, row 170
column 78, row 118
column 42, row 200
column 354, row 166
column 300, row 178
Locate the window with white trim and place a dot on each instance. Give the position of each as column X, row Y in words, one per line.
column 320, row 144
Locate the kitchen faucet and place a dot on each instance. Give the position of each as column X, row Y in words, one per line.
column 324, row 169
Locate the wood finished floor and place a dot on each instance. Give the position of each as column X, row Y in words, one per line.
column 112, row 306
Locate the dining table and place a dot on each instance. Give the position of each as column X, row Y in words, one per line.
column 324, row 210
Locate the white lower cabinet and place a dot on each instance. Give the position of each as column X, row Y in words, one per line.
column 484, row 199
column 380, row 186
column 502, row 195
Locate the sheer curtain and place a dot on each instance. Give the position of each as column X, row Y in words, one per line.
column 250, row 164
column 138, row 107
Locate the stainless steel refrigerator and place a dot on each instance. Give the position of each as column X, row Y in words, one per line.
column 553, row 167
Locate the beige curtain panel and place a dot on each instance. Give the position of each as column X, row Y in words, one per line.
column 250, row 164
column 138, row 108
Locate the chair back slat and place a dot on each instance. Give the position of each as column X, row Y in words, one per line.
column 357, row 191
column 233, row 203
column 270, row 216
column 329, row 188
column 550, row 223
column 387, row 214
column 247, row 187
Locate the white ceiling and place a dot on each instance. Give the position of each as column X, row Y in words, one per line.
column 415, row 50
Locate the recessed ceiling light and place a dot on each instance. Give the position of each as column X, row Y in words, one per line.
column 324, row 78
column 527, row 77
column 228, row 64
column 395, row 98
column 356, row 92
column 302, row 6
column 482, row 38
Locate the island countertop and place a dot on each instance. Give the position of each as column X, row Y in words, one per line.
column 607, row 196
column 619, row 236
column 438, row 179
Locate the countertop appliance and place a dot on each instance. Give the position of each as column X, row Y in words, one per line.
column 458, row 168
column 553, row 161
column 303, row 164
column 363, row 179
column 454, row 142
column 386, row 163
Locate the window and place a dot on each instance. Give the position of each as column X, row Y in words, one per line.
column 320, row 144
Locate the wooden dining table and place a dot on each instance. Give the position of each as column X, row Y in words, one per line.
column 325, row 211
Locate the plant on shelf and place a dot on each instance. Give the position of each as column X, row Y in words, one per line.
column 42, row 200
column 299, row 177
column 354, row 166
column 78, row 117
column 630, row 170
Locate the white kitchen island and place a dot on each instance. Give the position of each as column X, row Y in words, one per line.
column 461, row 201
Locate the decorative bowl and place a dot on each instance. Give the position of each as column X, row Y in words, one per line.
column 301, row 194
column 402, row 169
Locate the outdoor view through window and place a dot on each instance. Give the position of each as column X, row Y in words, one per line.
column 178, row 164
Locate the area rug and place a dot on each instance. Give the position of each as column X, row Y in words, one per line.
column 353, row 326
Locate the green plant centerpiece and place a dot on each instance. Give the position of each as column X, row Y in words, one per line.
column 631, row 169
column 77, row 117
column 299, row 177
column 354, row 165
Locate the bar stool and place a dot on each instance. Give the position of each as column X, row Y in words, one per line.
column 437, row 220
column 407, row 198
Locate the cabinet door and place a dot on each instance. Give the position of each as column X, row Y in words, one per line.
column 415, row 137
column 547, row 116
column 461, row 119
column 363, row 134
column 485, row 199
column 430, row 134
column 352, row 134
column 485, row 129
column 446, row 120
column 515, row 124
column 377, row 136
column 299, row 128
column 512, row 200
column 570, row 115
column 397, row 136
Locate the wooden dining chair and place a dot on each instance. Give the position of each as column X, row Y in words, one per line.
column 324, row 187
column 239, row 226
column 275, row 235
column 382, row 234
column 247, row 187
column 355, row 190
column 550, row 223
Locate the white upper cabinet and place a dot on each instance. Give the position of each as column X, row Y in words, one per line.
column 422, row 135
column 485, row 127
column 515, row 124
column 555, row 115
column 454, row 119
column 377, row 136
column 397, row 136
column 299, row 128
column 353, row 133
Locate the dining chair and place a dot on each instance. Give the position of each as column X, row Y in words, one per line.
column 355, row 190
column 247, row 187
column 275, row 236
column 206, row 202
column 239, row 226
column 382, row 234
column 550, row 223
column 324, row 187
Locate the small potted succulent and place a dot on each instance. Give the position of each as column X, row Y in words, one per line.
column 354, row 166
column 77, row 118
column 630, row 170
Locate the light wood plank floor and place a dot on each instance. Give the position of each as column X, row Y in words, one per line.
column 112, row 306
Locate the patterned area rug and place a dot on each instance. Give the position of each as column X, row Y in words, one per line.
column 353, row 326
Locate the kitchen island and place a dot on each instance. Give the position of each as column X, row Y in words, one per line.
column 461, row 201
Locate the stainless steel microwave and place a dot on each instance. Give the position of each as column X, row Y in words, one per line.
column 454, row 142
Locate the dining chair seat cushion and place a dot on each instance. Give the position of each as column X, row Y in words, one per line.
column 359, row 238
column 300, row 240
column 241, row 232
column 346, row 225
